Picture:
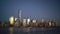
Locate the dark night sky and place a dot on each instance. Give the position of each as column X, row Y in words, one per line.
column 47, row 9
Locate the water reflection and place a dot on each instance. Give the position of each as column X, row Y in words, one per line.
column 11, row 30
column 28, row 30
column 34, row 29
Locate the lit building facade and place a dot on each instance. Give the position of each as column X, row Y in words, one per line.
column 16, row 19
column 24, row 22
column 42, row 20
column 11, row 20
column 28, row 21
column 33, row 21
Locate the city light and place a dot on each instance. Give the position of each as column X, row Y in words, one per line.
column 34, row 21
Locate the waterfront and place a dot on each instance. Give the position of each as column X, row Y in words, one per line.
column 30, row 30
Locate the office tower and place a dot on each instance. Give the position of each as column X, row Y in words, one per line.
column 28, row 21
column 18, row 21
column 24, row 22
column 11, row 20
column 19, row 14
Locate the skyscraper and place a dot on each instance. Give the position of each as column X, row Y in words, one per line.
column 19, row 14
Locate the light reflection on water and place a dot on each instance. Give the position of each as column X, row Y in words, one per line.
column 13, row 30
column 22, row 30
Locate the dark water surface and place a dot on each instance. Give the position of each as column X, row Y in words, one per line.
column 29, row 30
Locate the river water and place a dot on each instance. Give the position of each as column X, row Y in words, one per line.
column 29, row 30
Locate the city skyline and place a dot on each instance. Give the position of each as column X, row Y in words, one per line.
column 49, row 9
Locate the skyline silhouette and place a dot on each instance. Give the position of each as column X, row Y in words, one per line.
column 47, row 9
